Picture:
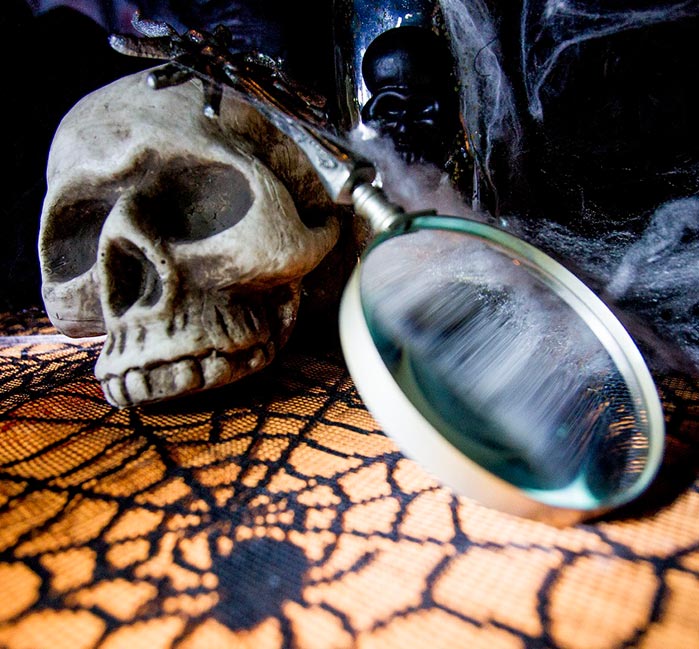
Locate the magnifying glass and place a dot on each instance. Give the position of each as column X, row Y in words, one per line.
column 489, row 362
column 485, row 359
column 496, row 368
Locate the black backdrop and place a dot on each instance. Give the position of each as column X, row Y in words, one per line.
column 49, row 62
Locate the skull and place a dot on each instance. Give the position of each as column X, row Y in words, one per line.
column 408, row 70
column 178, row 237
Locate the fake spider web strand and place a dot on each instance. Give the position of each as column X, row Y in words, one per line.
column 550, row 28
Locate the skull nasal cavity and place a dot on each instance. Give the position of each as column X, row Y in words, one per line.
column 131, row 278
column 190, row 202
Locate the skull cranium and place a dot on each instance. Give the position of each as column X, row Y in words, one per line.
column 177, row 236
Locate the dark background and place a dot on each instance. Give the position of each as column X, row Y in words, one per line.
column 620, row 135
column 49, row 63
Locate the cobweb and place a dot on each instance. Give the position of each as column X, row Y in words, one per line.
column 487, row 99
column 549, row 27
column 611, row 177
column 650, row 279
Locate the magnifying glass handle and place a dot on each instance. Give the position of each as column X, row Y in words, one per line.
column 371, row 203
column 346, row 176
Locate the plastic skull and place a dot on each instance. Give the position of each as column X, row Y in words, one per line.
column 408, row 70
column 177, row 236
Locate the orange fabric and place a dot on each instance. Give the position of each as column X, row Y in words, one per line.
column 275, row 513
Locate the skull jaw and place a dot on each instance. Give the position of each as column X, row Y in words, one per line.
column 183, row 375
column 146, row 360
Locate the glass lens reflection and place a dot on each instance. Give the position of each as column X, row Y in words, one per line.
column 503, row 367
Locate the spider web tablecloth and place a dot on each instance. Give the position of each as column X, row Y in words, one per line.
column 275, row 513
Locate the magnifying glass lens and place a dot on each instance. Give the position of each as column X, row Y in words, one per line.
column 511, row 360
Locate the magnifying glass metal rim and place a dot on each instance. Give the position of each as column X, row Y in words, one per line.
column 420, row 440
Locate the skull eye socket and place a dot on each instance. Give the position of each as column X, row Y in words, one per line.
column 189, row 202
column 387, row 105
column 73, row 232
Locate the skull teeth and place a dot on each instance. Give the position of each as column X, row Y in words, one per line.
column 181, row 376
column 254, row 335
